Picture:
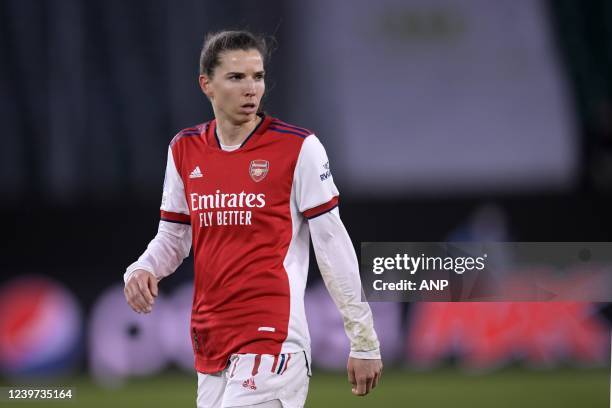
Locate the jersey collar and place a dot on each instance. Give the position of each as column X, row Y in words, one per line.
column 214, row 143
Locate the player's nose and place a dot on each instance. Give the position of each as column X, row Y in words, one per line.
column 249, row 88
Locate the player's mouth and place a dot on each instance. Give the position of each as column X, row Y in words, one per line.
column 248, row 108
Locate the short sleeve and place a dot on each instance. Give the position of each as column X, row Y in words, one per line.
column 315, row 191
column 174, row 205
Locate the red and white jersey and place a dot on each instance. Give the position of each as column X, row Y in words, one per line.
column 248, row 211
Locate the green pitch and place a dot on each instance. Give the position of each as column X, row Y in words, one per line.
column 440, row 388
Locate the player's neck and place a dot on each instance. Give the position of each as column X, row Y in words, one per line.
column 231, row 134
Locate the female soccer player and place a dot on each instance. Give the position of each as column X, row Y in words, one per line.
column 247, row 190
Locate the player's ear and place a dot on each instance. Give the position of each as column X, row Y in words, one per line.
column 205, row 85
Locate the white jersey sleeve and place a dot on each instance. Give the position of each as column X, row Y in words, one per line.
column 172, row 244
column 174, row 204
column 340, row 271
column 315, row 190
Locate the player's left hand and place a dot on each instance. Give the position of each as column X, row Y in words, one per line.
column 363, row 374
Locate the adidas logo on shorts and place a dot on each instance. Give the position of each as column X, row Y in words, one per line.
column 250, row 383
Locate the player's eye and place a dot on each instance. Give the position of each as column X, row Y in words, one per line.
column 235, row 77
column 259, row 77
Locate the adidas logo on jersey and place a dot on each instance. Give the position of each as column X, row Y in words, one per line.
column 196, row 173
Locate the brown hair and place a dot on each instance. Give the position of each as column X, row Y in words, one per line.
column 227, row 40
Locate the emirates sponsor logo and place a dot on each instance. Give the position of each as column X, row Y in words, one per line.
column 224, row 209
column 226, row 200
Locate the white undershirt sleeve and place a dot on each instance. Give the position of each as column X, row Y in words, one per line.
column 172, row 244
column 317, row 200
column 165, row 252
column 340, row 271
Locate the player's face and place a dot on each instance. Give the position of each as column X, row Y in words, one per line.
column 237, row 85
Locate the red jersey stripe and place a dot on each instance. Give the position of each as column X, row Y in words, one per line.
column 275, row 363
column 175, row 217
column 256, row 365
column 321, row 209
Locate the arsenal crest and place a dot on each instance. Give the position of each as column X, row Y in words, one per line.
column 259, row 169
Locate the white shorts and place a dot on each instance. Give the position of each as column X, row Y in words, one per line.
column 251, row 379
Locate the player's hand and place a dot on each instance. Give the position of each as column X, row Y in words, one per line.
column 141, row 291
column 364, row 374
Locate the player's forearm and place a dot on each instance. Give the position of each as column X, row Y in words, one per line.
column 339, row 268
column 165, row 252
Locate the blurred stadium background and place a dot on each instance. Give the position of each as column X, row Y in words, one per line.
column 443, row 120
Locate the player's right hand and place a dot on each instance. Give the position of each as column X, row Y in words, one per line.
column 364, row 374
column 141, row 291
